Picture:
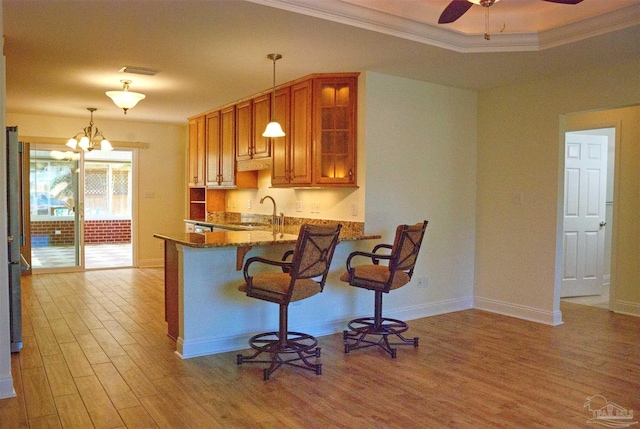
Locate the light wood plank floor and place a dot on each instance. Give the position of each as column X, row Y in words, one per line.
column 96, row 355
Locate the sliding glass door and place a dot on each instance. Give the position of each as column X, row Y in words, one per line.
column 80, row 209
column 53, row 199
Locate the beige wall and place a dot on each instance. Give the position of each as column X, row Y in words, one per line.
column 625, row 266
column 519, row 151
column 421, row 164
column 161, row 171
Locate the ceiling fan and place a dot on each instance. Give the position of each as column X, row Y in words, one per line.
column 457, row 8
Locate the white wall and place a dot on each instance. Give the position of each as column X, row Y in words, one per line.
column 519, row 150
column 161, row 170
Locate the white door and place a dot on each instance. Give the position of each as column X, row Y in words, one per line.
column 585, row 186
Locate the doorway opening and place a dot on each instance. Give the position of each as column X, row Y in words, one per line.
column 588, row 216
column 80, row 214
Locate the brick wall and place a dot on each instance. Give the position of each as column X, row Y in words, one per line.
column 95, row 232
column 107, row 231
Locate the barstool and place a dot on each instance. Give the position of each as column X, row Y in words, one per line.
column 382, row 279
column 301, row 278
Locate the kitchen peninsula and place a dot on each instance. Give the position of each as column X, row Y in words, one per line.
column 206, row 313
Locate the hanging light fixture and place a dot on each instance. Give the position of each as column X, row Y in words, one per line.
column 273, row 128
column 90, row 136
column 125, row 99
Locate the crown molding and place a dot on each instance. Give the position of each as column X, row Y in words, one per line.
column 442, row 37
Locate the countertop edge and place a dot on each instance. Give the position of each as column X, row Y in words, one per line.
column 241, row 238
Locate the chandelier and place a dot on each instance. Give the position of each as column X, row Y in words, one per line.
column 273, row 128
column 125, row 99
column 90, row 137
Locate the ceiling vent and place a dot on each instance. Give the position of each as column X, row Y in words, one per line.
column 138, row 70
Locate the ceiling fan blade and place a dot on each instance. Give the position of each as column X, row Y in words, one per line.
column 564, row 1
column 454, row 10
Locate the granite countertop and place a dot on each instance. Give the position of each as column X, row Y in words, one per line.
column 253, row 237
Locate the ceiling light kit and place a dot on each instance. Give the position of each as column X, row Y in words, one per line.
column 273, row 128
column 125, row 99
column 457, row 8
column 90, row 136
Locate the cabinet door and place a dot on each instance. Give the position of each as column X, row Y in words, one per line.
column 334, row 141
column 227, row 147
column 196, row 152
column 300, row 130
column 261, row 117
column 213, row 149
column 280, row 145
column 244, row 131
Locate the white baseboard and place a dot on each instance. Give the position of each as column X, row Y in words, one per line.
column 519, row 311
column 6, row 387
column 208, row 346
column 625, row 307
column 151, row 263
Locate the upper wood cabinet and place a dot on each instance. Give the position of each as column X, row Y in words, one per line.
column 318, row 115
column 252, row 117
column 196, row 166
column 319, row 118
column 334, row 131
column 292, row 154
column 220, row 148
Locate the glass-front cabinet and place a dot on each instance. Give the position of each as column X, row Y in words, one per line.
column 335, row 131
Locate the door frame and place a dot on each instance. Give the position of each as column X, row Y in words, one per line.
column 586, row 126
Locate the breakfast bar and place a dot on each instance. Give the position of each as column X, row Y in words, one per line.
column 205, row 312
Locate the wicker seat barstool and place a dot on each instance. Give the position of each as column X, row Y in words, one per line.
column 301, row 278
column 382, row 279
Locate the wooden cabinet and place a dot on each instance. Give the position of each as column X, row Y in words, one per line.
column 244, row 130
column 292, row 154
column 197, row 204
column 318, row 114
column 319, row 118
column 196, row 162
column 334, row 131
column 252, row 117
column 220, row 148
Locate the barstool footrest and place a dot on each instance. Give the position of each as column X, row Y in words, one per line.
column 359, row 329
column 303, row 346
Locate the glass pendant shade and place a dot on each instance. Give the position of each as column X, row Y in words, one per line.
column 273, row 130
column 105, row 146
column 125, row 99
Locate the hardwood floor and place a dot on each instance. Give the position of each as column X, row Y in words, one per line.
column 96, row 354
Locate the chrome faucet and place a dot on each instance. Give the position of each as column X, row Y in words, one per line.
column 274, row 218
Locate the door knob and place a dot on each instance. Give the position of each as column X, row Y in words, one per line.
column 603, row 223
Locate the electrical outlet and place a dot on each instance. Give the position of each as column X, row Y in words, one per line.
column 298, row 206
column 315, row 207
column 354, row 210
column 249, row 204
column 422, row 282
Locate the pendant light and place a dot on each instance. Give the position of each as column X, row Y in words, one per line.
column 273, row 128
column 90, row 136
column 125, row 99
